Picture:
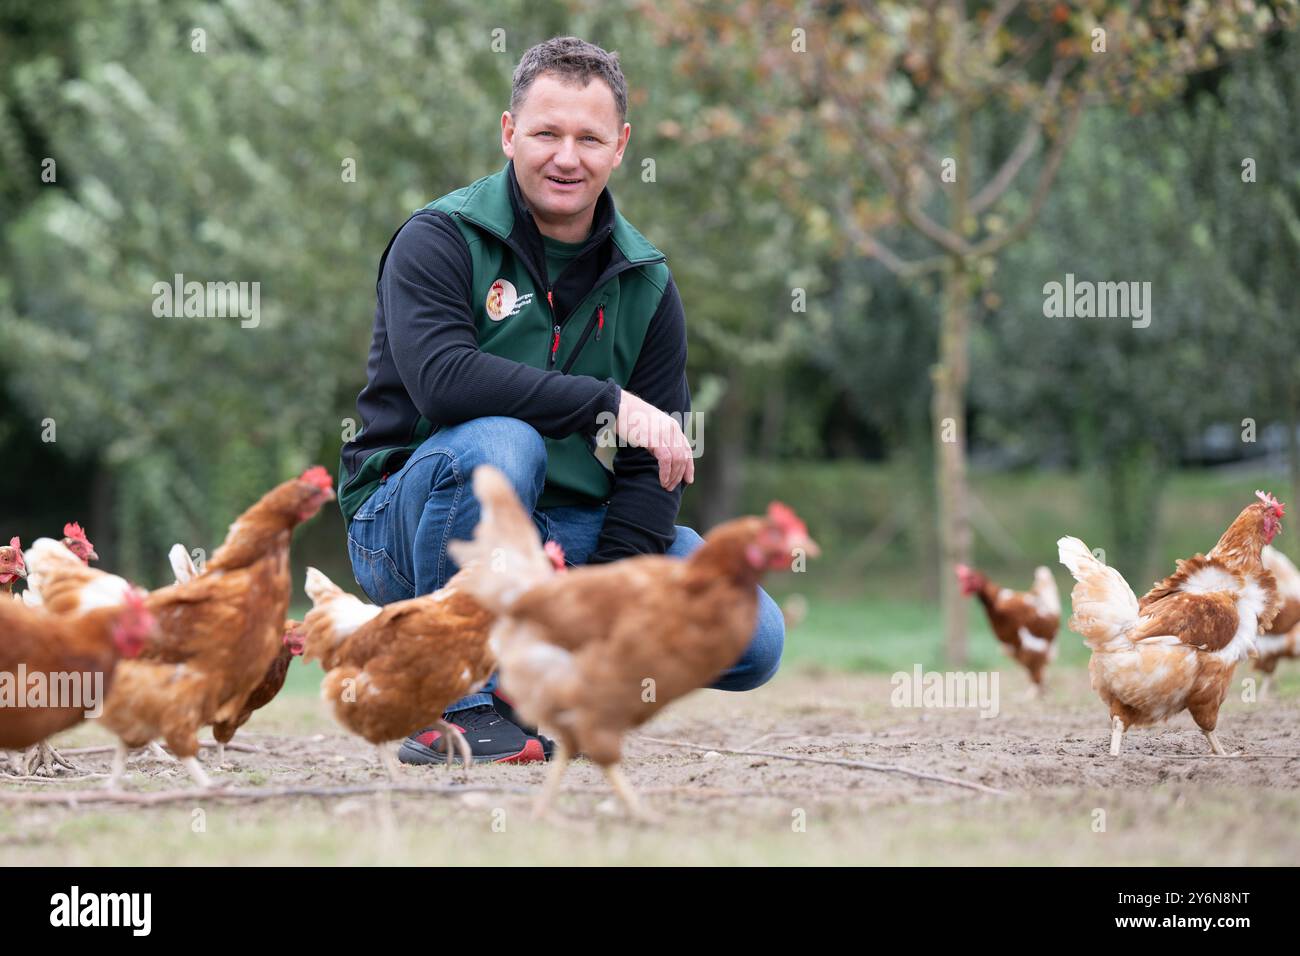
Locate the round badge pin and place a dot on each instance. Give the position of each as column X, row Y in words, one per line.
column 500, row 299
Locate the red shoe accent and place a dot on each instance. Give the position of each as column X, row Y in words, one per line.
column 429, row 737
column 531, row 753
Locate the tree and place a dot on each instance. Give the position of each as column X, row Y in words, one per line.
column 909, row 89
column 277, row 144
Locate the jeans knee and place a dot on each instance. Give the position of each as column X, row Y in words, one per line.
column 762, row 657
column 769, row 640
column 508, row 444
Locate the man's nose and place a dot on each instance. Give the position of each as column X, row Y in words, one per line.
column 567, row 154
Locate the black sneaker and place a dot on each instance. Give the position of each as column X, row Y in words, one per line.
column 506, row 708
column 491, row 738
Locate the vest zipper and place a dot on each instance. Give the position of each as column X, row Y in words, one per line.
column 555, row 330
column 597, row 321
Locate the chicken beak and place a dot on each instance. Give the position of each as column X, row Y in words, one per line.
column 807, row 545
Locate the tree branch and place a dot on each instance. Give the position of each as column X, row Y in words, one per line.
column 995, row 188
column 995, row 244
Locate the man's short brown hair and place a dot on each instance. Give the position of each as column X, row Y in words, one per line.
column 573, row 60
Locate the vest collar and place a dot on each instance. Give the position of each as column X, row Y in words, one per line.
column 497, row 205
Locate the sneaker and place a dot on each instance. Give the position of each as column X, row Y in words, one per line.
column 506, row 708
column 491, row 738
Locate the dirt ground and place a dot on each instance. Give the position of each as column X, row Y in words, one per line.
column 1064, row 800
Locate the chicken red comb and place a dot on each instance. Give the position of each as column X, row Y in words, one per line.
column 784, row 518
column 1279, row 509
column 555, row 553
column 73, row 530
column 15, row 543
column 318, row 476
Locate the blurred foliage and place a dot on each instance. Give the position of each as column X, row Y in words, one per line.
column 226, row 165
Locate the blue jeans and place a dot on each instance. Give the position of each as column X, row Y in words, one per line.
column 398, row 539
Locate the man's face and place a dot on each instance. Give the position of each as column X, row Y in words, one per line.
column 565, row 141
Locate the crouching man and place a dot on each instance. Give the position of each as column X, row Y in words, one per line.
column 515, row 318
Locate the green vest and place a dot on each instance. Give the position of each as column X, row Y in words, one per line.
column 513, row 319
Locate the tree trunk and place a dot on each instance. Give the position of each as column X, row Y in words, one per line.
column 948, row 411
column 102, row 514
column 1292, row 446
column 722, row 480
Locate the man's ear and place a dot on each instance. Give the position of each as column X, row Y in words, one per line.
column 622, row 144
column 508, row 135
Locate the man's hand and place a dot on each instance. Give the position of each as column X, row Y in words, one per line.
column 642, row 425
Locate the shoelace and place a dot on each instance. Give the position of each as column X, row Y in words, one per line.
column 476, row 718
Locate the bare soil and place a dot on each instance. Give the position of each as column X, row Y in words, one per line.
column 1064, row 799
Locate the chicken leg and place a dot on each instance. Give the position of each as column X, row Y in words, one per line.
column 614, row 774
column 452, row 735
column 119, row 766
column 156, row 749
column 559, row 762
column 1215, row 746
column 196, row 771
column 388, row 761
column 1116, row 735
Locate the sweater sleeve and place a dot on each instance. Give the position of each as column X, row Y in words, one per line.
column 641, row 515
column 424, row 290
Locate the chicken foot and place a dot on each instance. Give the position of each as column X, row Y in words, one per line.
column 119, row 767
column 1116, row 735
column 191, row 764
column 42, row 759
column 388, row 761
column 559, row 763
column 196, row 771
column 617, row 780
column 452, row 735
column 1215, row 746
column 156, row 749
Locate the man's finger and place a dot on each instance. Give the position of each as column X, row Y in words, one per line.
column 665, row 467
column 679, row 469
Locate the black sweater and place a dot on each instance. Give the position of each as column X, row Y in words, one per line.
column 424, row 360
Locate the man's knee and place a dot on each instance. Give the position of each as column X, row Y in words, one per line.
column 762, row 658
column 508, row 444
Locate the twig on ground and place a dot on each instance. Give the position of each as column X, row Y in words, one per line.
column 243, row 748
column 1136, row 753
column 252, row 794
column 5, row 778
column 858, row 764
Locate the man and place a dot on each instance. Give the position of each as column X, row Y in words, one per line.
column 515, row 318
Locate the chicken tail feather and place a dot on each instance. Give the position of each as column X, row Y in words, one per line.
column 505, row 557
column 320, row 588
column 183, row 567
column 1105, row 607
column 1288, row 578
